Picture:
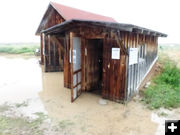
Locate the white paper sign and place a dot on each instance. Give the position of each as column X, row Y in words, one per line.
column 74, row 56
column 133, row 56
column 85, row 51
column 115, row 53
column 69, row 56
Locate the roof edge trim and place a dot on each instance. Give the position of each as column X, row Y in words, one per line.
column 120, row 26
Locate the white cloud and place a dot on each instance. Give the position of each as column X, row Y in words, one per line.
column 20, row 18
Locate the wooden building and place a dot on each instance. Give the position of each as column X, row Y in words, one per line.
column 96, row 52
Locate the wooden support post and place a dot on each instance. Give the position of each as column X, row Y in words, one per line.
column 49, row 50
column 54, row 54
column 45, row 54
column 71, row 64
column 83, row 51
column 42, row 47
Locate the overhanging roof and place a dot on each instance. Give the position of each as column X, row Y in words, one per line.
column 120, row 26
column 69, row 13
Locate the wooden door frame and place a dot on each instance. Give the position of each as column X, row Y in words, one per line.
column 85, row 57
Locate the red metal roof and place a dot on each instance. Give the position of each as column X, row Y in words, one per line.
column 69, row 13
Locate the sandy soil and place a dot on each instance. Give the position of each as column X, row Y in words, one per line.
column 91, row 118
column 23, row 80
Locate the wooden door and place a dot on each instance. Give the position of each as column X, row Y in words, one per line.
column 114, row 71
column 75, row 60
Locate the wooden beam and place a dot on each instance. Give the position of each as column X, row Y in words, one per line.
column 49, row 49
column 120, row 43
column 71, row 64
column 146, row 32
column 152, row 33
column 57, row 42
column 137, row 30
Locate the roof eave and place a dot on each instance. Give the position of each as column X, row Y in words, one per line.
column 120, row 26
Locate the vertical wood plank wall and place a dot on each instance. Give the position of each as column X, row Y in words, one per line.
column 114, row 72
column 52, row 18
column 53, row 51
column 119, row 79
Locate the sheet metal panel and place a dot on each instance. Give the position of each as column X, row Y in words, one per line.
column 137, row 71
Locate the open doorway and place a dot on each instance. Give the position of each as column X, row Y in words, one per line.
column 94, row 65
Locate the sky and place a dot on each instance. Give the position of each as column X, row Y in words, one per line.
column 19, row 19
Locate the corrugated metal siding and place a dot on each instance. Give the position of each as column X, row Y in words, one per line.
column 147, row 53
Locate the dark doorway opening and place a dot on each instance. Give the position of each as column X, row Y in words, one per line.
column 94, row 65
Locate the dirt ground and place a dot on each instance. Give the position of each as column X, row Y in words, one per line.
column 41, row 105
